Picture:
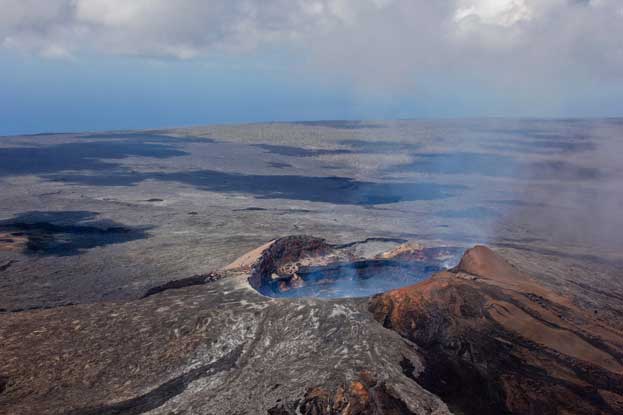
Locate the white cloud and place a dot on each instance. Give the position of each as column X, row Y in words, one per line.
column 172, row 28
column 496, row 12
column 56, row 52
column 111, row 12
column 376, row 43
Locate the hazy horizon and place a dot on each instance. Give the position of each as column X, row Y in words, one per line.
column 439, row 119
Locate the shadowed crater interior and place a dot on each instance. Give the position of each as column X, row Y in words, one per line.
column 301, row 266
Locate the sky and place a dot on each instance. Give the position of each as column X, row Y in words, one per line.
column 78, row 65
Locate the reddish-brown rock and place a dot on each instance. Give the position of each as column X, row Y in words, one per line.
column 361, row 397
column 496, row 341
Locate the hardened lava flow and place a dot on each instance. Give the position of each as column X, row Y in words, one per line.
column 288, row 329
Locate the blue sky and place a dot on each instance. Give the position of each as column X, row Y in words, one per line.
column 120, row 92
column 76, row 65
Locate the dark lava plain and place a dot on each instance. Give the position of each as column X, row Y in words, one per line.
column 93, row 222
column 108, row 215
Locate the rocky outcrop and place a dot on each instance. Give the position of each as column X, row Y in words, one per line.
column 184, row 282
column 361, row 397
column 495, row 341
column 283, row 252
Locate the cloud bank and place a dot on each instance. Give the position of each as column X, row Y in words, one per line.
column 377, row 43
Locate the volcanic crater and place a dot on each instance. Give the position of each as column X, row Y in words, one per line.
column 482, row 337
column 303, row 266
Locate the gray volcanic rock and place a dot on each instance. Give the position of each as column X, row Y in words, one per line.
column 483, row 337
column 91, row 217
column 215, row 348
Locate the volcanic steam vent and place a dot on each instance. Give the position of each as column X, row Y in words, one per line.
column 304, row 266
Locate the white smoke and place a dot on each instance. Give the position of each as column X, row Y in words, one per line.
column 522, row 57
column 365, row 38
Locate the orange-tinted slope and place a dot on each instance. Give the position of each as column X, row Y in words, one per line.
column 496, row 341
